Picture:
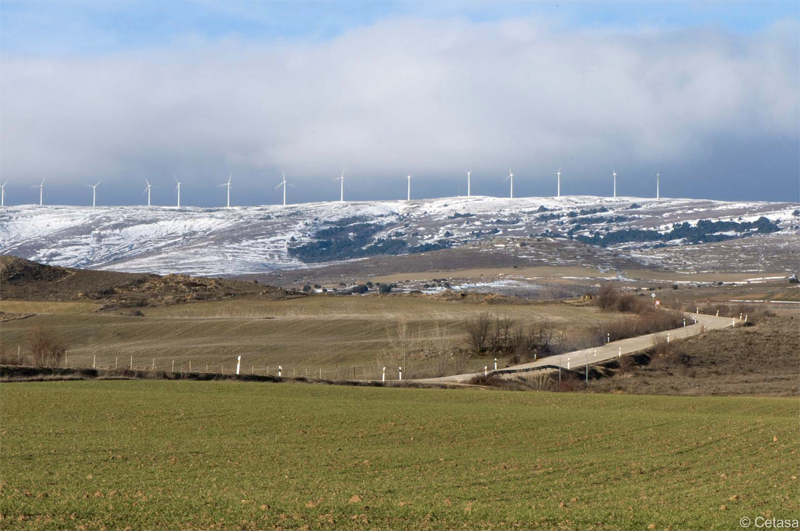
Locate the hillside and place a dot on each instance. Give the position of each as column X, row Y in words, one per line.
column 26, row 280
column 577, row 230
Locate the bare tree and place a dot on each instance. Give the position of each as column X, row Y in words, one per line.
column 402, row 343
column 47, row 349
column 478, row 329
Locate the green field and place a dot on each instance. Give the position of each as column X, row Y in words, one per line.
column 203, row 455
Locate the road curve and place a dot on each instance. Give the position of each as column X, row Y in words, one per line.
column 579, row 358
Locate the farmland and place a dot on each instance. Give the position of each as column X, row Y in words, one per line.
column 313, row 333
column 200, row 455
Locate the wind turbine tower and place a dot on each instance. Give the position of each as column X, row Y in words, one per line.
column 341, row 192
column 41, row 192
column 178, row 190
column 409, row 187
column 469, row 183
column 558, row 190
column 94, row 193
column 284, row 183
column 658, row 184
column 228, row 185
column 147, row 191
column 3, row 193
column 614, row 172
column 510, row 178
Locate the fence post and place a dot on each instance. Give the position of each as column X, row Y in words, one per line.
column 131, row 362
column 173, row 366
column 190, row 365
column 238, row 364
column 320, row 372
column 94, row 361
column 154, row 364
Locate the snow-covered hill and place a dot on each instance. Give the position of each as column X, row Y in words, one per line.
column 243, row 240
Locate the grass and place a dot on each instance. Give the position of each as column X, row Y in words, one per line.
column 203, row 455
column 313, row 332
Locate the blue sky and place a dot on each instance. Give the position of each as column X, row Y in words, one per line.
column 124, row 91
column 63, row 27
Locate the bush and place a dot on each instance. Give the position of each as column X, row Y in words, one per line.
column 478, row 332
column 385, row 288
column 47, row 349
column 306, row 288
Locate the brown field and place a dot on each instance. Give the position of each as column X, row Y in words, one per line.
column 319, row 332
column 755, row 360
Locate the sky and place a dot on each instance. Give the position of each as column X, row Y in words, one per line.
column 707, row 93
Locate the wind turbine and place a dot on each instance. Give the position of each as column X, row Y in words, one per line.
column 409, row 187
column 469, row 183
column 614, row 173
column 3, row 193
column 228, row 185
column 41, row 192
column 284, row 183
column 558, row 175
column 511, row 178
column 178, row 189
column 341, row 195
column 658, row 184
column 147, row 191
column 94, row 192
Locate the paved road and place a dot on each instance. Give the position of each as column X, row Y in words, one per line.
column 578, row 358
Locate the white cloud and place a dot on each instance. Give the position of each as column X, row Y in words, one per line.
column 431, row 97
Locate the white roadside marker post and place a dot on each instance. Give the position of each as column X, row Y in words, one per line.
column 238, row 364
column 495, row 361
column 745, row 318
column 131, row 362
column 608, row 338
column 190, row 365
column 740, row 317
column 116, row 362
column 619, row 352
column 173, row 366
column 94, row 361
column 733, row 322
column 154, row 364
column 400, row 374
column 595, row 353
column 684, row 322
column 667, row 337
column 383, row 375
column 66, row 358
column 320, row 372
column 280, row 371
column 485, row 370
column 568, row 363
column 717, row 312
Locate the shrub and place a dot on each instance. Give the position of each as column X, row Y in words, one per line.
column 47, row 349
column 385, row 288
column 478, row 332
